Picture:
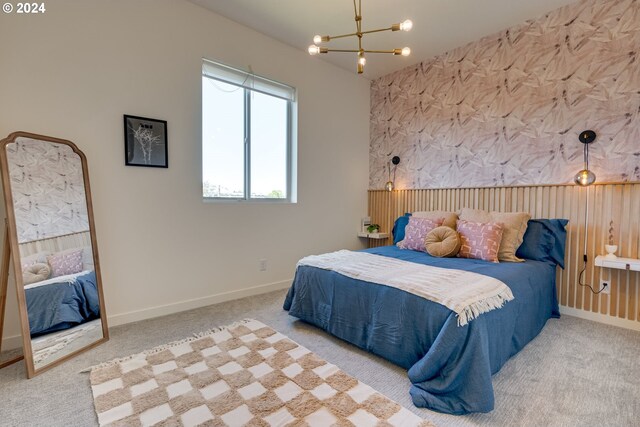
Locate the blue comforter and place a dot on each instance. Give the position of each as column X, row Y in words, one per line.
column 59, row 306
column 450, row 367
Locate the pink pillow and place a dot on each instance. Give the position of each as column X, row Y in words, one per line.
column 65, row 262
column 480, row 240
column 416, row 231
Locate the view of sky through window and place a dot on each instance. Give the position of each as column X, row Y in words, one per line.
column 223, row 151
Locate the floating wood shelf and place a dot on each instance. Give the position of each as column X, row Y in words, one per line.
column 373, row 235
column 631, row 264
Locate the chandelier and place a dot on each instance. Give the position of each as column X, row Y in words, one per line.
column 314, row 49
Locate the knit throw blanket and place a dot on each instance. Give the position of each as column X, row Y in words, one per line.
column 467, row 294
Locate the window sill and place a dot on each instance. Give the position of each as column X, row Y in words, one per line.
column 248, row 201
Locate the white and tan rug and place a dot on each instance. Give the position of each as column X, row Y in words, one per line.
column 245, row 374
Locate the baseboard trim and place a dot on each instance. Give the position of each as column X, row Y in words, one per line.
column 601, row 318
column 163, row 310
column 10, row 343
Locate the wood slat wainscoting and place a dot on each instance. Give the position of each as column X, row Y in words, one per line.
column 619, row 203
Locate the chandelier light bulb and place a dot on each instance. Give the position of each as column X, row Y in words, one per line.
column 407, row 25
column 362, row 60
column 584, row 178
column 389, row 186
column 406, row 51
column 314, row 50
column 317, row 39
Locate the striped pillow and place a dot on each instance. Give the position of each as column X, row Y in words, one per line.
column 480, row 240
column 416, row 231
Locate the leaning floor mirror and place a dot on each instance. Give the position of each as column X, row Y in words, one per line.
column 52, row 243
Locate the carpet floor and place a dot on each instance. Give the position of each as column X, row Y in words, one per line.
column 575, row 373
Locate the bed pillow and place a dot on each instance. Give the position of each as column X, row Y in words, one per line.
column 37, row 258
column 35, row 273
column 416, row 231
column 65, row 262
column 442, row 242
column 399, row 226
column 514, row 226
column 449, row 218
column 480, row 240
column 545, row 241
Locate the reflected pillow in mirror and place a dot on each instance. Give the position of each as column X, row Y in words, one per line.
column 37, row 258
column 65, row 262
column 35, row 273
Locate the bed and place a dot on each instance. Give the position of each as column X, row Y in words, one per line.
column 62, row 302
column 449, row 366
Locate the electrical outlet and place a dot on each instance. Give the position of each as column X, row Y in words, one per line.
column 263, row 265
column 606, row 284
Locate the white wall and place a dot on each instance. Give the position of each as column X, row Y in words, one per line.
column 74, row 71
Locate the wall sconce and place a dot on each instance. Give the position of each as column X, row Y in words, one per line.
column 585, row 177
column 390, row 184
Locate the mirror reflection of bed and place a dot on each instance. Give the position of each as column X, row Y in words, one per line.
column 53, row 247
column 61, row 295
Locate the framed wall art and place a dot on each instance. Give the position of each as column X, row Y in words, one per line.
column 145, row 142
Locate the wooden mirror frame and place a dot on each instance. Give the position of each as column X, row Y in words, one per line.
column 14, row 253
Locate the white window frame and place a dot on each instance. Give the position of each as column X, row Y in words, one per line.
column 248, row 82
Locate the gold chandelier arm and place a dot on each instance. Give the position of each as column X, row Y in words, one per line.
column 376, row 31
column 404, row 51
column 359, row 24
column 343, row 35
column 343, row 50
column 380, row 51
column 355, row 34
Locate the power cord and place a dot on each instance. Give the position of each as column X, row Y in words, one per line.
column 584, row 258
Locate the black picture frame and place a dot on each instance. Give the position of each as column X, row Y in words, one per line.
column 145, row 142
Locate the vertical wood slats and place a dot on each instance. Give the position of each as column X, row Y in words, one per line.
column 619, row 203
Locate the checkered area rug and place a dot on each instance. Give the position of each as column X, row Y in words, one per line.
column 245, row 374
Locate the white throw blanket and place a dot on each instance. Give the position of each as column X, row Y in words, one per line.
column 467, row 294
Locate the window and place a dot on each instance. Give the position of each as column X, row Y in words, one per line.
column 246, row 136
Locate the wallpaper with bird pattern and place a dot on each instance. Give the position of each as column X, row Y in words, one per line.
column 508, row 109
column 48, row 189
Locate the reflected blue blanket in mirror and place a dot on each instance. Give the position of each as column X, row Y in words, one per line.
column 57, row 306
column 450, row 367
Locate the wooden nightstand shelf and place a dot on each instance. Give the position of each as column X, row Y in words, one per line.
column 631, row 264
column 373, row 235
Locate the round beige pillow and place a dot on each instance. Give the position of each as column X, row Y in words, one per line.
column 442, row 242
column 35, row 273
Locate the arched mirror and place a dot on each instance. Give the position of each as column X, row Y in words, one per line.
column 52, row 243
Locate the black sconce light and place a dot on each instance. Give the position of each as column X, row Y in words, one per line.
column 390, row 184
column 585, row 177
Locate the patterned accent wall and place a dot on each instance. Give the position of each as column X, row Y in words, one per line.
column 507, row 109
column 48, row 189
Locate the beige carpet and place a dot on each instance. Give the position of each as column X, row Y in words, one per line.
column 242, row 374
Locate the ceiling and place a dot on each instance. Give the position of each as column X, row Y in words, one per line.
column 438, row 25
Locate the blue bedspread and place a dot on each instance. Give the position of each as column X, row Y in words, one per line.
column 450, row 367
column 59, row 306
